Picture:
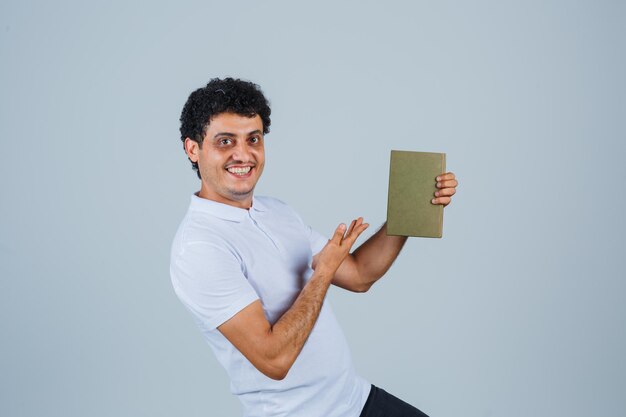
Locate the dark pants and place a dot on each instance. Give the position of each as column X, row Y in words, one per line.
column 382, row 404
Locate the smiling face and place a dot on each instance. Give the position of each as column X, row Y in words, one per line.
column 231, row 158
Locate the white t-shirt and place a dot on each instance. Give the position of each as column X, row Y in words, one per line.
column 223, row 258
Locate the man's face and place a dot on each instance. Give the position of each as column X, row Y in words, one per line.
column 231, row 159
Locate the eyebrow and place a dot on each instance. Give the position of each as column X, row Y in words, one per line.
column 232, row 135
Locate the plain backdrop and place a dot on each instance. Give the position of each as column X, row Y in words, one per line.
column 519, row 310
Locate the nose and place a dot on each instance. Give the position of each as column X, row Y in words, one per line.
column 242, row 152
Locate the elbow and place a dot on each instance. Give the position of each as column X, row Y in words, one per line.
column 276, row 367
column 277, row 375
column 272, row 373
column 363, row 280
column 361, row 288
column 364, row 284
column 276, row 371
column 272, row 370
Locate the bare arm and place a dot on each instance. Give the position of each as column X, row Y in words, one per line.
column 370, row 261
column 273, row 349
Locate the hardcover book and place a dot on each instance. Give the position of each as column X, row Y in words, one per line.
column 412, row 186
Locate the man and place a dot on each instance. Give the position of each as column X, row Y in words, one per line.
column 255, row 276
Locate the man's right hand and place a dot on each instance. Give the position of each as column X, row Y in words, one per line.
column 338, row 247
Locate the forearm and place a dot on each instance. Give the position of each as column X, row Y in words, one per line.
column 376, row 255
column 273, row 349
column 290, row 332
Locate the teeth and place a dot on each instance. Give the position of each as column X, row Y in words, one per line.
column 239, row 171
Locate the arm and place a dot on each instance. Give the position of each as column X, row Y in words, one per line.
column 370, row 261
column 273, row 349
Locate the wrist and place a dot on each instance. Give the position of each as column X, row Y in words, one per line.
column 324, row 273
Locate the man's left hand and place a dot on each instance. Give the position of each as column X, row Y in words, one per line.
column 446, row 184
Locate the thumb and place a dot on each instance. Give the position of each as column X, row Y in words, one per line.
column 339, row 232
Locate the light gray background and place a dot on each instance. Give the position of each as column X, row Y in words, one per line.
column 519, row 310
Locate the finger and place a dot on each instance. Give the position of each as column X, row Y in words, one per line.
column 444, row 192
column 446, row 176
column 355, row 223
column 352, row 224
column 447, row 184
column 356, row 232
column 341, row 229
column 350, row 233
column 441, row 201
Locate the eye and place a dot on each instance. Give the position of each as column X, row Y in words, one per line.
column 255, row 139
column 225, row 141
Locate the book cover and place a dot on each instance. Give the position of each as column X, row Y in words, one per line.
column 412, row 186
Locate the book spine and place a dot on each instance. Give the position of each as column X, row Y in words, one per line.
column 443, row 171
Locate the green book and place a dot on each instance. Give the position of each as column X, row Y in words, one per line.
column 412, row 186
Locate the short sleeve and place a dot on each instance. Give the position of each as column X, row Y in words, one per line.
column 209, row 281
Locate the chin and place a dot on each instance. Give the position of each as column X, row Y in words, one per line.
column 239, row 194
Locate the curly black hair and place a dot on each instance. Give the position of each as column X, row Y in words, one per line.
column 221, row 96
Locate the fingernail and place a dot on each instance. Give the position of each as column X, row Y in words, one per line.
column 438, row 184
column 342, row 226
column 438, row 178
column 436, row 193
column 432, row 201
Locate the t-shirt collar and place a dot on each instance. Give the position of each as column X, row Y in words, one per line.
column 223, row 211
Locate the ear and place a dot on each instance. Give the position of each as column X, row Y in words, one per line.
column 192, row 149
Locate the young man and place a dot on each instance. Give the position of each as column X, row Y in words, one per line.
column 255, row 276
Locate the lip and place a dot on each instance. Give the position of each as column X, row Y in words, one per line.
column 241, row 177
